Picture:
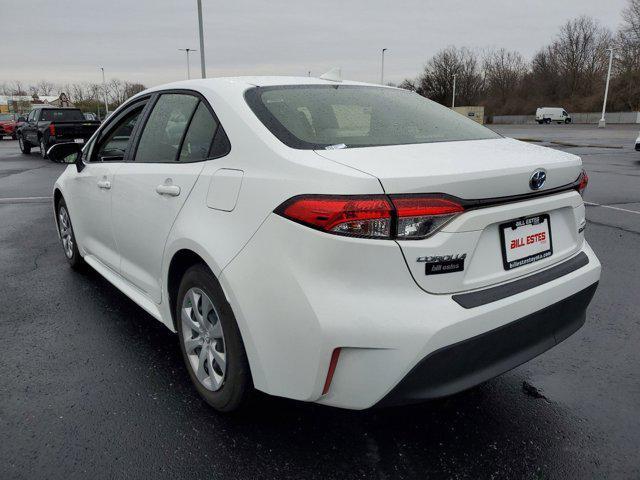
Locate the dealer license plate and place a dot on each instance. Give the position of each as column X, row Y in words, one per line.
column 525, row 241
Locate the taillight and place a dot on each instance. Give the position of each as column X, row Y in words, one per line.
column 355, row 216
column 583, row 180
column 405, row 217
column 421, row 216
column 52, row 130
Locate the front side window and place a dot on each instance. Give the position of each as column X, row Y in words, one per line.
column 348, row 116
column 114, row 145
column 162, row 135
column 32, row 115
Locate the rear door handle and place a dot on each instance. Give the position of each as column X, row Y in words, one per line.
column 171, row 190
column 106, row 184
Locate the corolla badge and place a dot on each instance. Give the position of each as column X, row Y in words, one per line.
column 538, row 177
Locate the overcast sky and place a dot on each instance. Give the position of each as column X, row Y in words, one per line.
column 138, row 40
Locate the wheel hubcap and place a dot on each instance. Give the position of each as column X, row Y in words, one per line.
column 66, row 232
column 204, row 339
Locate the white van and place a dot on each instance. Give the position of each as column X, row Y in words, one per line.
column 552, row 114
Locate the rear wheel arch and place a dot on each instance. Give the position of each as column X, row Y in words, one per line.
column 57, row 196
column 181, row 261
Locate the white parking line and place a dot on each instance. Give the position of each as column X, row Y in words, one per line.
column 612, row 208
column 26, row 200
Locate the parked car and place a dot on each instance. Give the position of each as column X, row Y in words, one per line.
column 328, row 241
column 46, row 126
column 7, row 125
column 552, row 114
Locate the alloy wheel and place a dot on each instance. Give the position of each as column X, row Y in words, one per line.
column 203, row 339
column 66, row 232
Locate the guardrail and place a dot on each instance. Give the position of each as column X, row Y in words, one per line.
column 583, row 118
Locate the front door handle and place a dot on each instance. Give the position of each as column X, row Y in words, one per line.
column 106, row 184
column 171, row 190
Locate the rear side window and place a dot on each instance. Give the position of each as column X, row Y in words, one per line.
column 49, row 115
column 197, row 141
column 163, row 132
column 348, row 116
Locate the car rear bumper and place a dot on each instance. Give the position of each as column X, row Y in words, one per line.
column 299, row 294
column 470, row 362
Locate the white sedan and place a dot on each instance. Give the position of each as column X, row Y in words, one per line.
column 329, row 241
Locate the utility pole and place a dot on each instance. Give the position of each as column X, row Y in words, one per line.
column 104, row 93
column 200, row 29
column 453, row 100
column 382, row 68
column 602, row 123
column 188, row 50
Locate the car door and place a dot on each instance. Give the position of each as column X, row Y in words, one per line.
column 92, row 187
column 30, row 128
column 151, row 188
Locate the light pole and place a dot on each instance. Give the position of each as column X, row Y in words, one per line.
column 382, row 68
column 200, row 29
column 453, row 99
column 188, row 50
column 602, row 123
column 104, row 93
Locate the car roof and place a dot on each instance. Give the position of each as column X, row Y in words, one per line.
column 255, row 81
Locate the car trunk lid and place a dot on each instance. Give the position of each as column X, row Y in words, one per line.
column 475, row 240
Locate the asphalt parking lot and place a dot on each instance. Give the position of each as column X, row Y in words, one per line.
column 93, row 386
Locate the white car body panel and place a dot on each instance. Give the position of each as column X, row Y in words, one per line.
column 320, row 291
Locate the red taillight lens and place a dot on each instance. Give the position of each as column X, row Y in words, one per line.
column 356, row 216
column 52, row 130
column 583, row 182
column 404, row 217
column 421, row 216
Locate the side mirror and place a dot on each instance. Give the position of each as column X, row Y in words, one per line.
column 66, row 153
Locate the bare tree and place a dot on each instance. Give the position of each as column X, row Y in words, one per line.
column 436, row 82
column 625, row 93
column 504, row 71
column 45, row 88
column 17, row 88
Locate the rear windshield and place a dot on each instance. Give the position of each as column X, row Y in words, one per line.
column 6, row 116
column 348, row 116
column 62, row 115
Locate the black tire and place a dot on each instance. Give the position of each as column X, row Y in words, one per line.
column 547, row 121
column 75, row 259
column 43, row 147
column 1, row 138
column 237, row 385
column 14, row 137
column 539, row 122
column 24, row 146
column 567, row 121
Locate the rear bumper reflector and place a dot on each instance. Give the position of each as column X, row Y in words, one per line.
column 332, row 368
column 493, row 294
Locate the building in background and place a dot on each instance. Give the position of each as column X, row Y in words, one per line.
column 474, row 113
column 24, row 103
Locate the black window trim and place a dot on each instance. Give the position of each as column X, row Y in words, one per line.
column 155, row 96
column 112, row 123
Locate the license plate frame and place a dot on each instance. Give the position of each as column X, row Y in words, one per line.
column 519, row 223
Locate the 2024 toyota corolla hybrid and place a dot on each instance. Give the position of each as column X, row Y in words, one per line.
column 334, row 242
